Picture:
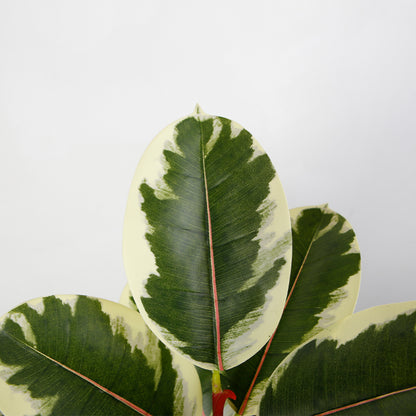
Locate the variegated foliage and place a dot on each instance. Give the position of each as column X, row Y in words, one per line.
column 207, row 245
column 75, row 355
column 364, row 365
column 208, row 255
column 205, row 376
column 324, row 286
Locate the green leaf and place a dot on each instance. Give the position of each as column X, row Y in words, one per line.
column 207, row 245
column 364, row 365
column 324, row 286
column 205, row 376
column 75, row 355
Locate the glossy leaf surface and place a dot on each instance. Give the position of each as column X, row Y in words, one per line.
column 75, row 355
column 205, row 376
column 323, row 288
column 365, row 365
column 207, row 245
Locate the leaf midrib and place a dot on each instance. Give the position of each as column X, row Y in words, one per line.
column 313, row 239
column 366, row 401
column 217, row 335
column 83, row 377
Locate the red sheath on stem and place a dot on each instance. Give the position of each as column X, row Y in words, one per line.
column 219, row 399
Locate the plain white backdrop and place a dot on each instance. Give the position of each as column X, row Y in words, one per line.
column 327, row 87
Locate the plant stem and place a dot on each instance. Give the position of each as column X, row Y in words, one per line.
column 219, row 397
column 216, row 382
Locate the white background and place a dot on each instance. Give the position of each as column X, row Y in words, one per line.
column 327, row 87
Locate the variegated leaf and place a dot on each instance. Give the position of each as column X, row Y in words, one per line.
column 75, row 355
column 323, row 288
column 207, row 244
column 364, row 365
column 205, row 376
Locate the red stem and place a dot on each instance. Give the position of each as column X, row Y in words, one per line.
column 218, row 401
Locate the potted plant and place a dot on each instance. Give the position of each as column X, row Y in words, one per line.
column 234, row 303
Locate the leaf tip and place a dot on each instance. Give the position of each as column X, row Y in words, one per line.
column 198, row 110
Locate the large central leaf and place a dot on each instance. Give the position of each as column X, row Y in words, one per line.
column 207, row 243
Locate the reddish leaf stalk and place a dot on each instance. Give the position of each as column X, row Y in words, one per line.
column 219, row 399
